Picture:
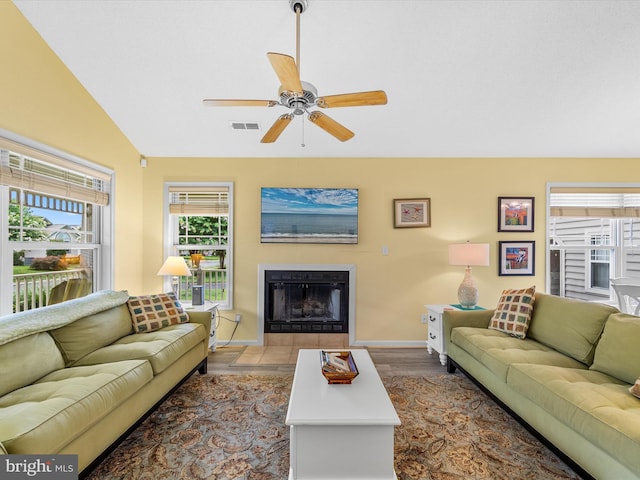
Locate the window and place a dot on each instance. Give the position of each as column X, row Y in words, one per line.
column 55, row 220
column 582, row 217
column 200, row 229
column 599, row 263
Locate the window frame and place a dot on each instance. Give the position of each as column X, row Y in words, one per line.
column 170, row 235
column 617, row 231
column 590, row 261
column 103, row 277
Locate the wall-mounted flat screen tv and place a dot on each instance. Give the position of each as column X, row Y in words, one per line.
column 309, row 215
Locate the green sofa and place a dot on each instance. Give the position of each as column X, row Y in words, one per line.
column 568, row 380
column 76, row 379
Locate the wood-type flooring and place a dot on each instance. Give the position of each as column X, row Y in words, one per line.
column 388, row 361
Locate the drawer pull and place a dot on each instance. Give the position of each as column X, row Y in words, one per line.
column 432, row 336
column 432, row 319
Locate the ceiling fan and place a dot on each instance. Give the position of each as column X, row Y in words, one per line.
column 299, row 97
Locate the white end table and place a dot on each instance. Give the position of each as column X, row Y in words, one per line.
column 340, row 431
column 208, row 306
column 435, row 330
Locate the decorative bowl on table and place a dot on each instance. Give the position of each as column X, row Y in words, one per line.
column 338, row 366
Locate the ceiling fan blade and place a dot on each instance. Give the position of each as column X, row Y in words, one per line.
column 216, row 102
column 330, row 126
column 287, row 71
column 277, row 128
column 376, row 97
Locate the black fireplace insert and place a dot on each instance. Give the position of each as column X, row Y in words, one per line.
column 306, row 301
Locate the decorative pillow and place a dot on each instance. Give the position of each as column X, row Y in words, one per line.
column 635, row 389
column 513, row 313
column 153, row 312
column 617, row 353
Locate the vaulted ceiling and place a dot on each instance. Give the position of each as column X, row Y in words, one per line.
column 528, row 78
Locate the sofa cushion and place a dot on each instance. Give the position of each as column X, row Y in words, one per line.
column 161, row 347
column 90, row 333
column 23, row 324
column 594, row 404
column 152, row 312
column 27, row 359
column 513, row 313
column 47, row 415
column 498, row 351
column 567, row 325
column 618, row 352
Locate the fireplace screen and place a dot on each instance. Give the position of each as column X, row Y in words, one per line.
column 297, row 301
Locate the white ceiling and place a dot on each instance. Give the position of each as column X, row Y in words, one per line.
column 553, row 78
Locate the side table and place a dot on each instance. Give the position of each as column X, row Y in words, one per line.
column 435, row 330
column 207, row 307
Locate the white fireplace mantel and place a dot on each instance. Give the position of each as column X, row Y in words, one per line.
column 308, row 267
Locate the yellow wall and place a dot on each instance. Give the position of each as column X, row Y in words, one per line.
column 41, row 100
column 391, row 290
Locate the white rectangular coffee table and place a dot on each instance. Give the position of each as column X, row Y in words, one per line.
column 340, row 431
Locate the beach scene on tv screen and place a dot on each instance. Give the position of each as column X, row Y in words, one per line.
column 309, row 215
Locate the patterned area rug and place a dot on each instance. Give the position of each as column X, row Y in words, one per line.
column 232, row 427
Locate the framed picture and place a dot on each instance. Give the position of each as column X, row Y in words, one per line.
column 515, row 214
column 412, row 212
column 516, row 258
column 309, row 215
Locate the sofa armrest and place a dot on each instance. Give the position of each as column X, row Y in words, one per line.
column 464, row 318
column 203, row 318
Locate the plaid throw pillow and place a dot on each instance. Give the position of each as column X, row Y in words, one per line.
column 153, row 312
column 513, row 313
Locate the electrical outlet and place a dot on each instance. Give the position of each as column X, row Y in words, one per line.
column 238, row 317
column 424, row 318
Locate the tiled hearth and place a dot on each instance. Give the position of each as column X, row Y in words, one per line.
column 307, row 340
column 282, row 348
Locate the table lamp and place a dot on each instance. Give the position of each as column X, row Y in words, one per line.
column 468, row 255
column 176, row 267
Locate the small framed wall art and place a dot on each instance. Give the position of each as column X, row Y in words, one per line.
column 516, row 258
column 411, row 212
column 515, row 214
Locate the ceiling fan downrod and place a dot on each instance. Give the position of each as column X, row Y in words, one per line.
column 298, row 6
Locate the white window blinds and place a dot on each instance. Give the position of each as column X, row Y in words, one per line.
column 199, row 200
column 606, row 202
column 36, row 171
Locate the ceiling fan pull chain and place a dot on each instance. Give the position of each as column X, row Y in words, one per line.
column 303, row 144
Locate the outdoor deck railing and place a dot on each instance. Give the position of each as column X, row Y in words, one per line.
column 214, row 281
column 31, row 290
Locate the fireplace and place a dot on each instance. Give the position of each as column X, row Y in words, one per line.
column 306, row 299
column 301, row 301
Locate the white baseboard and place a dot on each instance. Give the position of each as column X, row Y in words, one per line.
column 357, row 343
column 390, row 343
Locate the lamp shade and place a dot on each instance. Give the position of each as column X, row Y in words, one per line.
column 469, row 254
column 174, row 266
